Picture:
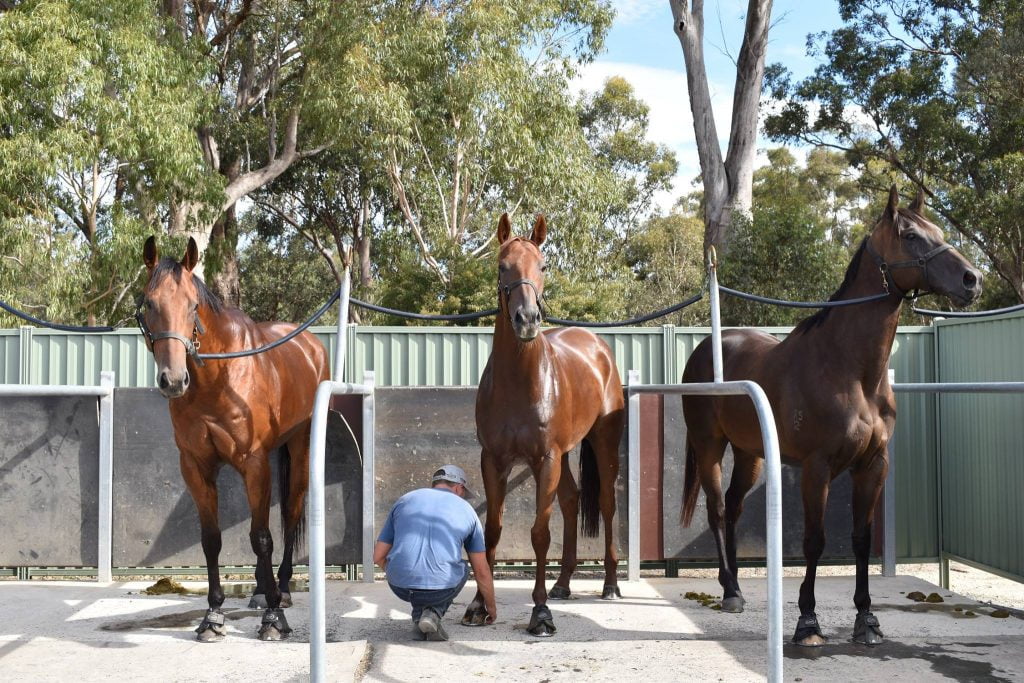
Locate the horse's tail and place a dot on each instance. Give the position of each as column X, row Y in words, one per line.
column 284, row 479
column 590, row 490
column 691, row 485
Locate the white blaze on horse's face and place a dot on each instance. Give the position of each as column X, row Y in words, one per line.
column 521, row 278
column 920, row 257
column 170, row 304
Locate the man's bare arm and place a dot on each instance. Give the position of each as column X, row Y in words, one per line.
column 380, row 554
column 485, row 583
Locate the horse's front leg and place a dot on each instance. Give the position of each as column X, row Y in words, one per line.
column 202, row 486
column 867, row 485
column 569, row 502
column 257, row 488
column 495, row 486
column 546, row 474
column 814, row 484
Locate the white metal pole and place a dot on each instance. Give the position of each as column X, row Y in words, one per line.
column 633, row 464
column 889, row 505
column 318, row 534
column 369, row 479
column 340, row 342
column 104, row 559
column 716, row 318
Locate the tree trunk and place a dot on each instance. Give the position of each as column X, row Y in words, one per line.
column 728, row 183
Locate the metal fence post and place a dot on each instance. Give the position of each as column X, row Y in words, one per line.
column 24, row 354
column 889, row 506
column 633, row 466
column 369, row 479
column 104, row 559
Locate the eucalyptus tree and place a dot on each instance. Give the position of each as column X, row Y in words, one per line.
column 727, row 180
column 933, row 91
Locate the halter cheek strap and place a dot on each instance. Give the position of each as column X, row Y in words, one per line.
column 191, row 345
column 507, row 291
column 888, row 282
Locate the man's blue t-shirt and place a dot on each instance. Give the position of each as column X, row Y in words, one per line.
column 427, row 530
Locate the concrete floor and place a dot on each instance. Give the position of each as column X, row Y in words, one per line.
column 78, row 631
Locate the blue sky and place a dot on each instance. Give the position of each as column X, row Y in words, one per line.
column 643, row 48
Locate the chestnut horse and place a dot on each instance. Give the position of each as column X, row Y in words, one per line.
column 828, row 386
column 541, row 394
column 236, row 412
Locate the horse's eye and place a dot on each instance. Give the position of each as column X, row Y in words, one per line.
column 544, row 269
column 909, row 236
column 502, row 267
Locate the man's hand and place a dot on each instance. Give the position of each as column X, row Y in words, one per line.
column 380, row 554
column 484, row 584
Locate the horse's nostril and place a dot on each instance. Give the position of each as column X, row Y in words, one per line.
column 163, row 381
column 970, row 280
column 186, row 380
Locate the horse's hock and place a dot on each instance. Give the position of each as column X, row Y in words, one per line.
column 48, row 470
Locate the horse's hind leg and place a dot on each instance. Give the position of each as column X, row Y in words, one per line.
column 604, row 439
column 293, row 499
column 257, row 488
column 708, row 453
column 495, row 486
column 867, row 485
column 569, row 502
column 202, row 485
column 746, row 469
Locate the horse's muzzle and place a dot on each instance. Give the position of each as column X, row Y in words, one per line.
column 173, row 386
column 526, row 322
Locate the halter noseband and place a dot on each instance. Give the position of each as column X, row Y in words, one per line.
column 191, row 345
column 507, row 291
column 887, row 268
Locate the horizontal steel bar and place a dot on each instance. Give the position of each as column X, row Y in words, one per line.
column 731, row 388
column 53, row 390
column 961, row 387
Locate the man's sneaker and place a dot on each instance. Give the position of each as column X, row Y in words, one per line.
column 430, row 626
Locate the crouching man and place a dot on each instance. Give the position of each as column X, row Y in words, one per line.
column 420, row 549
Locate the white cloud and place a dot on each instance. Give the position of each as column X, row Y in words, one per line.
column 635, row 11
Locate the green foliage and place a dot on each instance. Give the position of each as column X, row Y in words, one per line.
column 934, row 91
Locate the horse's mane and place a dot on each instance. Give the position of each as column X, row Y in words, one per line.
column 809, row 323
column 170, row 267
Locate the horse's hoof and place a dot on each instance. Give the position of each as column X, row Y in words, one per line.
column 258, row 601
column 611, row 592
column 867, row 630
column 559, row 592
column 286, row 599
column 733, row 605
column 211, row 629
column 542, row 624
column 475, row 615
column 808, row 633
column 274, row 626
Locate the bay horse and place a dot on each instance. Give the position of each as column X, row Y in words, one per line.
column 236, row 412
column 541, row 394
column 828, row 386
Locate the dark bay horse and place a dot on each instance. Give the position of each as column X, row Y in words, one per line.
column 828, row 386
column 541, row 394
column 236, row 412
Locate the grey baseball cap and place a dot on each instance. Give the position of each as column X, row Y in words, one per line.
column 454, row 474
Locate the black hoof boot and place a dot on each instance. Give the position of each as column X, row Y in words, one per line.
column 258, row 601
column 274, row 625
column 211, row 629
column 808, row 633
column 867, row 630
column 542, row 624
column 734, row 604
column 611, row 592
column 559, row 593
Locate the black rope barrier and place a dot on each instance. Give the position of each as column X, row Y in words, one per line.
column 966, row 314
column 632, row 321
column 424, row 316
column 53, row 326
column 802, row 304
column 277, row 342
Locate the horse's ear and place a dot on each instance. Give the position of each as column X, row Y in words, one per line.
column 504, row 229
column 540, row 230
column 191, row 258
column 918, row 204
column 150, row 254
column 894, row 202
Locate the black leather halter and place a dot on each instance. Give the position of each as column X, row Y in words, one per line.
column 507, row 291
column 191, row 345
column 888, row 282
